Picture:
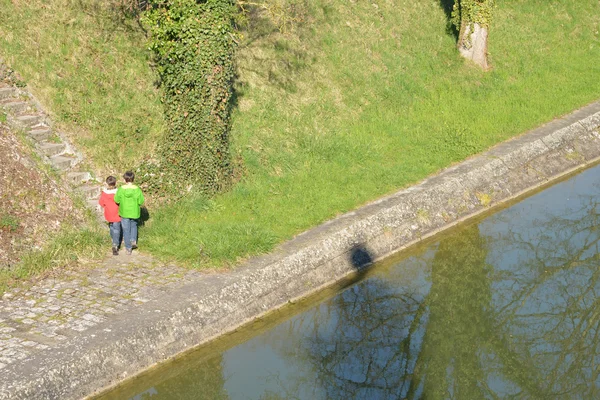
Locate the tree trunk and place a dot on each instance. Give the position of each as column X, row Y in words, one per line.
column 473, row 43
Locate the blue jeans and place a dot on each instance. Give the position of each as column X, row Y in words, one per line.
column 115, row 233
column 129, row 231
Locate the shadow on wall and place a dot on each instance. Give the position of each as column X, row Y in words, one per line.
column 360, row 257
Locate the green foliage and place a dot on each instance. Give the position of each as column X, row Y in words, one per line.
column 193, row 46
column 9, row 76
column 9, row 223
column 472, row 11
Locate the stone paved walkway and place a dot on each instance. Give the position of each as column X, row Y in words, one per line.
column 56, row 309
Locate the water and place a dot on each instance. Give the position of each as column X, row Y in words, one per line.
column 506, row 307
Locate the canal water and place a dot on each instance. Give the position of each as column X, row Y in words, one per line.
column 506, row 307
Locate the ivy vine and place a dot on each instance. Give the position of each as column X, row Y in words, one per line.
column 466, row 12
column 193, row 47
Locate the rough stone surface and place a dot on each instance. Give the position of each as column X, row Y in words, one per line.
column 69, row 337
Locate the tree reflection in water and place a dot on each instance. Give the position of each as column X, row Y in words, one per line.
column 547, row 308
column 459, row 321
column 384, row 342
column 526, row 325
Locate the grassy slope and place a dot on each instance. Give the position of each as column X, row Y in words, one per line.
column 91, row 71
column 41, row 227
column 378, row 99
column 362, row 102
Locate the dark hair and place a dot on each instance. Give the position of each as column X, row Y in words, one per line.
column 128, row 176
column 111, row 181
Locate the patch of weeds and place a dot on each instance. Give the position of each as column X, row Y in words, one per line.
column 9, row 223
column 422, row 215
column 485, row 199
column 387, row 230
column 54, row 138
column 446, row 216
column 111, row 272
column 178, row 275
column 2, row 117
column 574, row 155
column 462, row 209
column 20, row 83
column 85, row 281
column 59, row 318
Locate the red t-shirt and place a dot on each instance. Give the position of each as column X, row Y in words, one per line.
column 111, row 209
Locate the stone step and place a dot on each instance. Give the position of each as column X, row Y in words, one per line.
column 16, row 106
column 30, row 120
column 63, row 162
column 78, row 177
column 52, row 149
column 7, row 93
column 41, row 133
column 90, row 192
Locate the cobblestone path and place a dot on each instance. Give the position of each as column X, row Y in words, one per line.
column 54, row 310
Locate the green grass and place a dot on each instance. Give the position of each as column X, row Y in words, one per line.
column 370, row 100
column 91, row 71
column 71, row 246
column 357, row 103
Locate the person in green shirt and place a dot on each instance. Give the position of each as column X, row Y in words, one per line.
column 129, row 197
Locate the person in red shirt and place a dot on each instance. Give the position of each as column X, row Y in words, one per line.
column 111, row 212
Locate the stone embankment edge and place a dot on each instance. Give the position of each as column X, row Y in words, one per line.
column 215, row 304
